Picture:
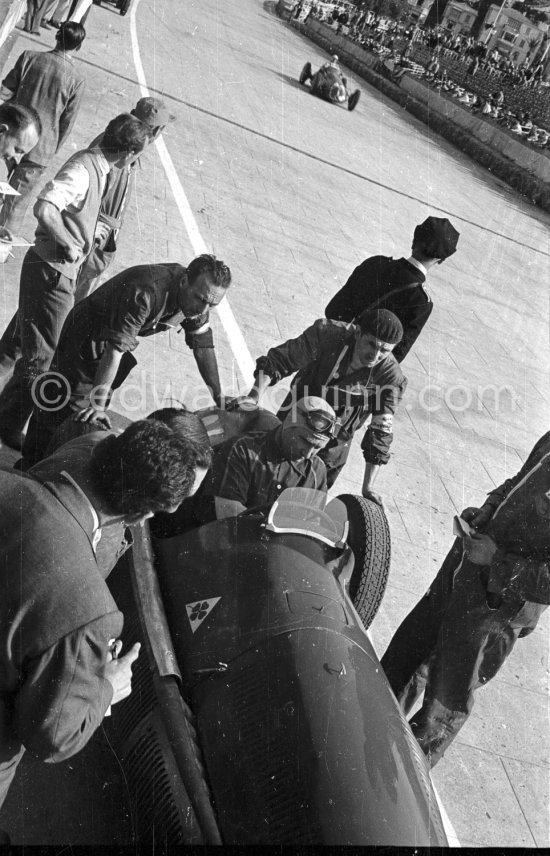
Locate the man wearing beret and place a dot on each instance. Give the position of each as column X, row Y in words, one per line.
column 350, row 366
column 398, row 284
column 94, row 353
column 155, row 116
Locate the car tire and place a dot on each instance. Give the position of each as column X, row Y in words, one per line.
column 369, row 538
column 353, row 100
column 305, row 74
column 124, row 6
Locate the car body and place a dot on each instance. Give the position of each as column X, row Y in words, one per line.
column 122, row 5
column 329, row 84
column 268, row 719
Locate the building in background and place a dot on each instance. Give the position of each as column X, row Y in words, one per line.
column 512, row 34
column 458, row 17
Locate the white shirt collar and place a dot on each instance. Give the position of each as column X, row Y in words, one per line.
column 96, row 533
column 415, row 263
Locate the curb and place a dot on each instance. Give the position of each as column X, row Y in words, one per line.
column 528, row 185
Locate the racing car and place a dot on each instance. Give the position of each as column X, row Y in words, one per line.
column 259, row 712
column 121, row 5
column 330, row 84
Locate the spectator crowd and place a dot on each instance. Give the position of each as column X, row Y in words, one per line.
column 67, row 505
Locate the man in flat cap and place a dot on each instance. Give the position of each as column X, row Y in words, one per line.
column 253, row 470
column 398, row 284
column 155, row 116
column 350, row 366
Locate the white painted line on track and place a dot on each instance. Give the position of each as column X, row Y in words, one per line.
column 242, row 355
column 233, row 332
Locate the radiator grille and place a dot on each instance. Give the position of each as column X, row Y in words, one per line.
column 163, row 814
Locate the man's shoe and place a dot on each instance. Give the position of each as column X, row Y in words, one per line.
column 46, row 25
column 55, row 24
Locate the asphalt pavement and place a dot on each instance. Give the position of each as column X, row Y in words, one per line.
column 293, row 193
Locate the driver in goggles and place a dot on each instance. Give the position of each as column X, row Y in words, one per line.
column 318, row 415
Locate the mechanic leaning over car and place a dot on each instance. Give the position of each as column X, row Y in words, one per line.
column 251, row 471
column 350, row 366
column 381, row 282
column 491, row 590
column 94, row 351
column 62, row 529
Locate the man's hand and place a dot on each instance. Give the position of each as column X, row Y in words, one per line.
column 241, row 402
column 477, row 517
column 119, row 672
column 72, row 253
column 373, row 496
column 5, row 234
column 102, row 232
column 93, row 416
column 480, row 549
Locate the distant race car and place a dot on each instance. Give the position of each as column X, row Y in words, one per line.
column 330, row 84
column 260, row 713
column 121, row 5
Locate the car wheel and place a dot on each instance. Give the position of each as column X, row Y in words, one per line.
column 369, row 538
column 305, row 74
column 124, row 6
column 353, row 100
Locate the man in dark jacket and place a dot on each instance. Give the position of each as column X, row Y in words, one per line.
column 61, row 530
column 381, row 282
column 350, row 366
column 94, row 354
column 48, row 82
column 491, row 589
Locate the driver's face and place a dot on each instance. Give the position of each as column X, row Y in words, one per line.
column 369, row 351
column 300, row 443
column 200, row 295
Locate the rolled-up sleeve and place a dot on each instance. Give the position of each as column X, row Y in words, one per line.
column 64, row 696
column 198, row 333
column 379, row 435
column 69, row 187
column 126, row 320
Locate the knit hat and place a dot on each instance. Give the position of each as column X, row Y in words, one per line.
column 437, row 236
column 381, row 323
column 153, row 112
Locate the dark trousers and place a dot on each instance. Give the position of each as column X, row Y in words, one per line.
column 8, row 768
column 24, row 178
column 10, row 347
column 33, row 16
column 46, row 297
column 452, row 643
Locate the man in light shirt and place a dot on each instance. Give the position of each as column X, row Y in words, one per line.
column 67, row 210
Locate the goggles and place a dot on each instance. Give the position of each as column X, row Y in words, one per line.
column 320, row 421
